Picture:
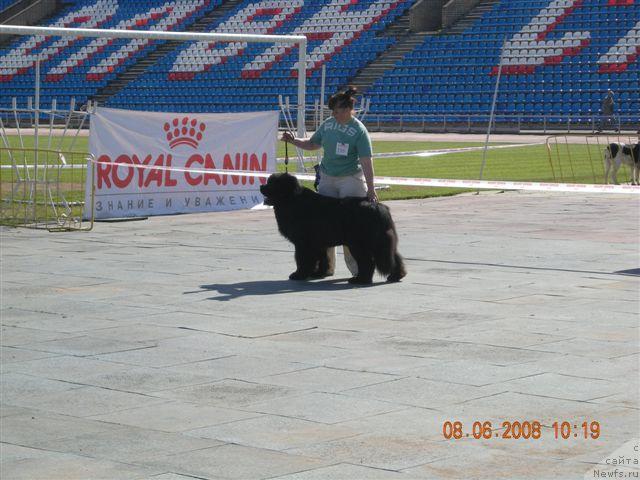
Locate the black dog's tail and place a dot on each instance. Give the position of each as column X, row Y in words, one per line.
column 387, row 259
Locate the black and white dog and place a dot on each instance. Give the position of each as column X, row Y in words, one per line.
column 618, row 153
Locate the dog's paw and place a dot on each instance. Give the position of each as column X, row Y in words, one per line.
column 360, row 281
column 321, row 274
column 298, row 276
column 396, row 277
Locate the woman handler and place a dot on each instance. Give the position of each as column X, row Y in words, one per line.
column 346, row 169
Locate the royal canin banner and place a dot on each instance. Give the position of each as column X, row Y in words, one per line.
column 127, row 145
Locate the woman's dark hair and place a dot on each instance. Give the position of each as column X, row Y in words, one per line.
column 344, row 99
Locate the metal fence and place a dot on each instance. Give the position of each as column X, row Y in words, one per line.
column 475, row 123
column 43, row 179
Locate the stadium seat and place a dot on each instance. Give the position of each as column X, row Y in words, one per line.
column 88, row 64
column 554, row 47
column 539, row 65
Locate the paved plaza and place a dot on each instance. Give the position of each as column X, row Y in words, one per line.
column 176, row 348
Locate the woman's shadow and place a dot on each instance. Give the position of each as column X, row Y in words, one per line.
column 232, row 291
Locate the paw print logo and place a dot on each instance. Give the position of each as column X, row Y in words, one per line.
column 184, row 131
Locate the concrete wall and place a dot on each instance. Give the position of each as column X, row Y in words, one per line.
column 453, row 10
column 426, row 16
column 28, row 12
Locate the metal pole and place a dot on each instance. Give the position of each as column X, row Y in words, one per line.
column 72, row 106
column 36, row 140
column 151, row 34
column 75, row 137
column 492, row 114
column 322, row 93
column 316, row 114
column 302, row 75
column 52, row 113
column 14, row 103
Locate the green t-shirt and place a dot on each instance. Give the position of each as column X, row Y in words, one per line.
column 343, row 145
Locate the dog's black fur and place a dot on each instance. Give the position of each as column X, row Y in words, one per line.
column 313, row 223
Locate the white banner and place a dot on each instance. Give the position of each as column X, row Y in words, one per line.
column 121, row 139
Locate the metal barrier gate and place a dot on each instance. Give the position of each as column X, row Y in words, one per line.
column 43, row 168
column 579, row 158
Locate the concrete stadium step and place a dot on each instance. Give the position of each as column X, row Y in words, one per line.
column 387, row 61
column 407, row 41
column 15, row 10
column 470, row 18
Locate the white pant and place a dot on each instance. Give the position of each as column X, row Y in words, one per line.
column 340, row 187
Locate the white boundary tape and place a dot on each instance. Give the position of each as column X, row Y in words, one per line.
column 504, row 185
column 433, row 153
column 423, row 182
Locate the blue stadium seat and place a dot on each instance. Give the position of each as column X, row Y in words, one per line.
column 465, row 63
column 563, row 72
column 81, row 67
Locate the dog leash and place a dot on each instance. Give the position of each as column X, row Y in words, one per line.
column 316, row 167
column 286, row 157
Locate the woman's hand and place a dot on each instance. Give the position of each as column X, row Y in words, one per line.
column 299, row 142
column 287, row 137
column 367, row 170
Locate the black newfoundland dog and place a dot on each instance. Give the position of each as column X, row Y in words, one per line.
column 313, row 223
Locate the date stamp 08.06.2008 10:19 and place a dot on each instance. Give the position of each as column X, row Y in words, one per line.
column 525, row 430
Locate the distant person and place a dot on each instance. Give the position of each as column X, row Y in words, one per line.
column 607, row 112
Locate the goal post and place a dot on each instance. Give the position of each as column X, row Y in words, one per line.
column 39, row 185
column 299, row 40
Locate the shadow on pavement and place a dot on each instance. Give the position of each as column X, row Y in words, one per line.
column 231, row 291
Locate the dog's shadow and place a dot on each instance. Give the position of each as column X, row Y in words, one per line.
column 232, row 291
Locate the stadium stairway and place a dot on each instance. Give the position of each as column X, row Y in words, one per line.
column 475, row 14
column 406, row 42
column 560, row 57
column 140, row 67
column 200, row 76
column 77, row 69
column 243, row 77
column 13, row 9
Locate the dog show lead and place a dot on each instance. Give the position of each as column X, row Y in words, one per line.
column 346, row 169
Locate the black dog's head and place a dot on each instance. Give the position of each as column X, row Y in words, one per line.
column 280, row 187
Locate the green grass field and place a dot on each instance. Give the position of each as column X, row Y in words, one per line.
column 575, row 163
column 571, row 164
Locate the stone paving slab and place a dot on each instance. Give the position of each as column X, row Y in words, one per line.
column 274, row 432
column 23, row 463
column 176, row 347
